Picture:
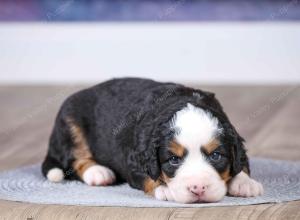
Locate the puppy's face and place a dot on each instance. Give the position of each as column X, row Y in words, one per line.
column 196, row 163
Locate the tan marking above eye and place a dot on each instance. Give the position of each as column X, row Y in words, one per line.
column 211, row 145
column 177, row 149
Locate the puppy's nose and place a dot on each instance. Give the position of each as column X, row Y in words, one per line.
column 198, row 189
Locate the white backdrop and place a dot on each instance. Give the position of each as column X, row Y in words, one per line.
column 227, row 53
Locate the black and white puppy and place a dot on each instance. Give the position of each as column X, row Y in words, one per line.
column 173, row 142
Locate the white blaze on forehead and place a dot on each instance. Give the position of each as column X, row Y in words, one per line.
column 195, row 126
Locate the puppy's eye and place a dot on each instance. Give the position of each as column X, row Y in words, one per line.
column 215, row 156
column 174, row 161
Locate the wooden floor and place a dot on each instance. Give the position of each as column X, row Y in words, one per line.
column 267, row 116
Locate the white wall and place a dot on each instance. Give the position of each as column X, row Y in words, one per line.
column 192, row 52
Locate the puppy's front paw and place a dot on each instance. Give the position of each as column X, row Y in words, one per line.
column 98, row 176
column 242, row 185
column 163, row 193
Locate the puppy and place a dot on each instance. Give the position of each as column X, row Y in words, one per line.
column 173, row 142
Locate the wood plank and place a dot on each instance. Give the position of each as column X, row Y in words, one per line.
column 27, row 119
column 279, row 137
column 280, row 211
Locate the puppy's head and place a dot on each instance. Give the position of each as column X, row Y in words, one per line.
column 196, row 163
column 196, row 152
column 200, row 156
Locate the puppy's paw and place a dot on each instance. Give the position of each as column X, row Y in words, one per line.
column 55, row 175
column 163, row 193
column 98, row 176
column 242, row 185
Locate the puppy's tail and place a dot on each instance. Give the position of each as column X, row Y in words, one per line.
column 52, row 170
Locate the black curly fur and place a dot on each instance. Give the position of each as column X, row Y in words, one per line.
column 126, row 121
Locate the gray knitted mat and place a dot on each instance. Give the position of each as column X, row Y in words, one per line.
column 281, row 180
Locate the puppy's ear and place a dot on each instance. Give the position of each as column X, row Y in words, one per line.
column 239, row 156
column 152, row 166
column 147, row 151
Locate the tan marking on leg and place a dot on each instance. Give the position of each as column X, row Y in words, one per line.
column 225, row 175
column 164, row 178
column 150, row 185
column 211, row 145
column 81, row 152
column 81, row 165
